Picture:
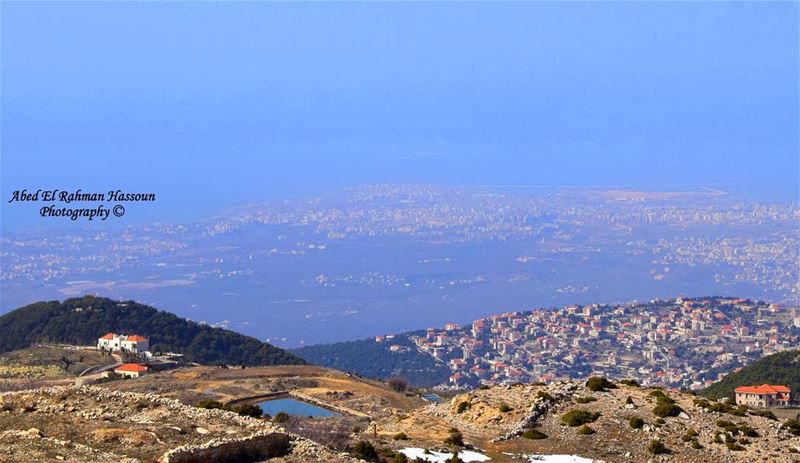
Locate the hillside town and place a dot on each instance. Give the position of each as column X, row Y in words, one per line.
column 678, row 343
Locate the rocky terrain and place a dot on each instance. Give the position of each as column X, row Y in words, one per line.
column 92, row 424
column 155, row 419
column 615, row 424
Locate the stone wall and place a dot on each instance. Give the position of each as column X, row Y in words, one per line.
column 257, row 447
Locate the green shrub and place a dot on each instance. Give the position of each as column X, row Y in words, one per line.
column 463, row 406
column 702, row 403
column 629, row 401
column 364, row 450
column 280, row 417
column 579, row 417
column 544, row 395
column 585, row 400
column 484, row 387
column 656, row 447
column 733, row 446
column 248, row 410
column 534, row 434
column 792, row 426
column 210, row 404
column 665, row 410
column 696, row 445
column 765, row 414
column 741, row 410
column 504, row 408
column 585, row 430
column 455, row 438
column 400, row 436
column 630, row 382
column 635, row 422
column 727, row 425
column 661, row 397
column 690, row 434
column 748, row 431
column 599, row 384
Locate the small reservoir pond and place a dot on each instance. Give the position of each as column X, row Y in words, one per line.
column 294, row 407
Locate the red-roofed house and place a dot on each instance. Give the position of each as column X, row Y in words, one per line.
column 120, row 342
column 131, row 370
column 109, row 341
column 764, row 396
column 136, row 343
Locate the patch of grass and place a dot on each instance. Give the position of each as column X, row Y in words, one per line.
column 504, row 408
column 579, row 417
column 585, row 430
column 630, row 382
column 544, row 395
column 400, row 436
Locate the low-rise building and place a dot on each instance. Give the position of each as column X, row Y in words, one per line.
column 119, row 342
column 130, row 370
column 764, row 396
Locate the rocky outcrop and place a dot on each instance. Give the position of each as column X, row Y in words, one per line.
column 556, row 393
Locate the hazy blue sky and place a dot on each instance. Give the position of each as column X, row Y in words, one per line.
column 212, row 104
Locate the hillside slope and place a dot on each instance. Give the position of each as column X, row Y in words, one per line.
column 376, row 360
column 620, row 425
column 82, row 320
column 781, row 368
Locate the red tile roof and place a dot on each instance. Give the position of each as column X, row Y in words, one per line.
column 108, row 336
column 131, row 367
column 136, row 338
column 763, row 389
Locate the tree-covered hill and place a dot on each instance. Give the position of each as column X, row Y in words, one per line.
column 781, row 368
column 83, row 320
column 375, row 360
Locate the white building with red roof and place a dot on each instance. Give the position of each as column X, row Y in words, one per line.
column 131, row 370
column 120, row 342
column 764, row 396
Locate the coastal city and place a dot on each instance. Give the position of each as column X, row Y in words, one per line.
column 680, row 343
column 371, row 259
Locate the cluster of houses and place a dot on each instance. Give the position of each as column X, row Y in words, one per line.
column 677, row 343
column 121, row 343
